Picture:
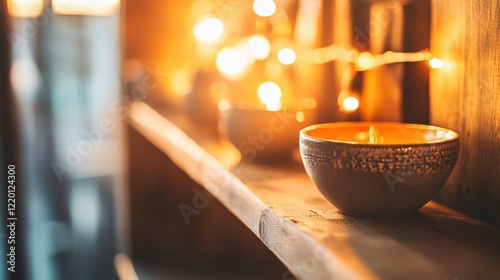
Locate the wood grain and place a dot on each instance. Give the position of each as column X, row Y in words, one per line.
column 280, row 205
column 465, row 97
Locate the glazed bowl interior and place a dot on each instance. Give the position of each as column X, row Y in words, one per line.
column 380, row 133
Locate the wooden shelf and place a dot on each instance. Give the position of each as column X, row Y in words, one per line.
column 280, row 205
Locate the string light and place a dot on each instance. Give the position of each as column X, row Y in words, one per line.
column 365, row 61
column 270, row 94
column 286, row 56
column 258, row 47
column 348, row 101
column 264, row 8
column 350, row 104
column 436, row 63
column 208, row 30
column 232, row 62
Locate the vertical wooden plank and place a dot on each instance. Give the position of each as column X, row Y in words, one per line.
column 416, row 75
column 327, row 110
column 382, row 93
column 464, row 97
column 344, row 22
column 360, row 40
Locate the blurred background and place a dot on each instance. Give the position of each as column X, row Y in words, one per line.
column 89, row 187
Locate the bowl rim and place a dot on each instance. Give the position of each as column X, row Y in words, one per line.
column 297, row 104
column 456, row 135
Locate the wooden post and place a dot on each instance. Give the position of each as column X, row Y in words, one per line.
column 416, row 75
column 465, row 97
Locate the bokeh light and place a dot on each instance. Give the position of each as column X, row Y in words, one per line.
column 270, row 94
column 365, row 61
column 258, row 47
column 436, row 63
column 224, row 105
column 350, row 104
column 232, row 62
column 300, row 116
column 208, row 30
column 180, row 82
column 287, row 56
column 264, row 8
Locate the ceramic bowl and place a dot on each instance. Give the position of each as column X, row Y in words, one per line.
column 372, row 169
column 261, row 134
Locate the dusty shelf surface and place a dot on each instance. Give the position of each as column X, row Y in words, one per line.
column 280, row 205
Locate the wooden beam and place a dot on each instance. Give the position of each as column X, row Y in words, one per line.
column 465, row 97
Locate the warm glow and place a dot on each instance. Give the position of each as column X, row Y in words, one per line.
column 180, row 82
column 286, row 56
column 365, row 61
column 264, row 8
column 25, row 8
column 270, row 94
column 208, row 30
column 258, row 46
column 388, row 57
column 25, row 76
column 350, row 104
column 306, row 26
column 300, row 117
column 224, row 105
column 85, row 7
column 232, row 62
column 436, row 63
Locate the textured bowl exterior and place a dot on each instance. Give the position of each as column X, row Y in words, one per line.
column 378, row 180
